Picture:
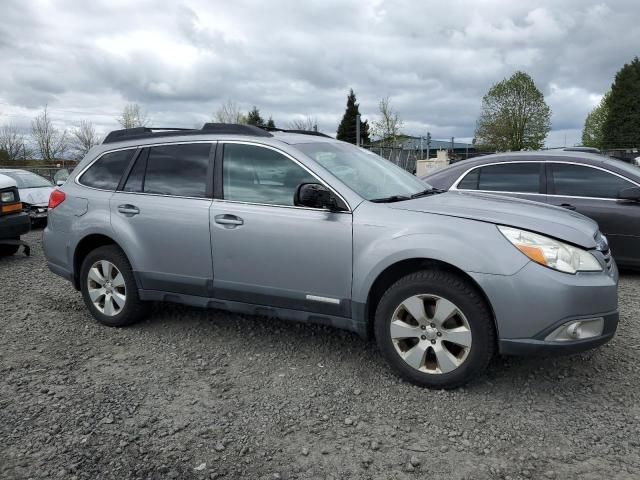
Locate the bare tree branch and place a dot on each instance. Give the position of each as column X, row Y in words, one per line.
column 51, row 143
column 229, row 112
column 83, row 138
column 133, row 116
column 387, row 127
column 13, row 142
column 307, row 123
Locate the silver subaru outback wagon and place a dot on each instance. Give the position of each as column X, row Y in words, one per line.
column 305, row 227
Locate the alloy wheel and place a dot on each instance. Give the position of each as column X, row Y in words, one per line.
column 431, row 334
column 106, row 288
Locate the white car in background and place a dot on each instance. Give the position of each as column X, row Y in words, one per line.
column 34, row 193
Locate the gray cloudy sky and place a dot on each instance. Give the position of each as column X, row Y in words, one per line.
column 182, row 59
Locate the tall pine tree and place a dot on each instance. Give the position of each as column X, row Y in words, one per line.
column 622, row 125
column 347, row 127
column 254, row 118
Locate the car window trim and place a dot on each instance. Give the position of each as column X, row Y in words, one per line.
column 455, row 184
column 219, row 193
column 127, row 171
column 552, row 185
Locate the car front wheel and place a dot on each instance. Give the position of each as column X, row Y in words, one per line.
column 109, row 288
column 435, row 329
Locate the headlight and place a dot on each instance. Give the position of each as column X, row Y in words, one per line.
column 7, row 197
column 551, row 253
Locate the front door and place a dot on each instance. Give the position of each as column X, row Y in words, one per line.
column 266, row 251
column 162, row 214
column 593, row 192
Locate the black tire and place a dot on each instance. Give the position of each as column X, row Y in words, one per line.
column 134, row 309
column 8, row 250
column 468, row 300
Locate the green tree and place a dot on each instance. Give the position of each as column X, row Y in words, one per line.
column 254, row 118
column 387, row 127
column 593, row 131
column 271, row 123
column 514, row 115
column 622, row 125
column 347, row 128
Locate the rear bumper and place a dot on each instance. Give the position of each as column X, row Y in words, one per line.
column 12, row 226
column 538, row 346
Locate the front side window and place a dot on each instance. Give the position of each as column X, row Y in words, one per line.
column 106, row 172
column 260, row 175
column 581, row 181
column 177, row 170
column 504, row 177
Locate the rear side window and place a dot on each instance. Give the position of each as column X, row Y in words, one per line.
column 106, row 172
column 581, row 181
column 177, row 170
column 505, row 177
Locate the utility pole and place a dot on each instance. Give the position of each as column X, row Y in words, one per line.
column 421, row 152
column 428, row 145
column 357, row 130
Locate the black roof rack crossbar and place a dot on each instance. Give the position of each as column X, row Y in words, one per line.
column 208, row 128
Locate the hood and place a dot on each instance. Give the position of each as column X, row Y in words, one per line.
column 35, row 196
column 545, row 219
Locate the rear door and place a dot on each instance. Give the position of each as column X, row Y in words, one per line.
column 161, row 213
column 593, row 191
column 519, row 179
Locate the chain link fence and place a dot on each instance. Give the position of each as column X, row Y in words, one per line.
column 403, row 158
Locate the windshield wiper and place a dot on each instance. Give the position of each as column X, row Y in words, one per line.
column 392, row 198
column 430, row 191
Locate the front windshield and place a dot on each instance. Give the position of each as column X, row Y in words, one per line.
column 28, row 179
column 366, row 173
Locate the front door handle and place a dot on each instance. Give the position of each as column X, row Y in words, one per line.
column 128, row 209
column 230, row 221
column 568, row 206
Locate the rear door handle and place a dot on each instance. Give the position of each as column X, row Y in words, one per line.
column 568, row 206
column 229, row 220
column 128, row 209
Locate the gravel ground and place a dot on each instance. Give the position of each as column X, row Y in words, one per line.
column 207, row 394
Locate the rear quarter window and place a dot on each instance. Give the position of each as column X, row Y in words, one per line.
column 106, row 172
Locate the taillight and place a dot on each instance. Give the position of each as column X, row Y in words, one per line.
column 56, row 198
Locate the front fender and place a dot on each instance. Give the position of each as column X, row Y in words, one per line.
column 468, row 245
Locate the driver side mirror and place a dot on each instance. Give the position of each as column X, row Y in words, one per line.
column 631, row 194
column 59, row 183
column 315, row 195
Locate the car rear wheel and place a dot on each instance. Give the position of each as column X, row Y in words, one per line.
column 109, row 288
column 435, row 329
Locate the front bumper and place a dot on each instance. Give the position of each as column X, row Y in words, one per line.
column 36, row 212
column 14, row 225
column 538, row 346
column 535, row 301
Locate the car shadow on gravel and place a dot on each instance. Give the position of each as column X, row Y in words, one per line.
column 340, row 347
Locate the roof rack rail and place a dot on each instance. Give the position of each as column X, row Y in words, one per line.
column 302, row 132
column 207, row 128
